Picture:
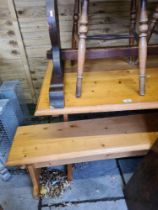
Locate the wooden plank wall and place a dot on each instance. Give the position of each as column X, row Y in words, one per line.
column 11, row 65
column 24, row 35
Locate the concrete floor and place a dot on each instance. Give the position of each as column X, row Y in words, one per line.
column 96, row 186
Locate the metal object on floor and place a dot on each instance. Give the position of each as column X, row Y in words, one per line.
column 8, row 125
column 12, row 90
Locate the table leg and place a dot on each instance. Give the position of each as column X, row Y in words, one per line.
column 75, row 26
column 34, row 174
column 70, row 172
column 132, row 26
column 143, row 28
column 83, row 29
column 66, row 117
column 152, row 23
column 56, row 90
column 69, row 167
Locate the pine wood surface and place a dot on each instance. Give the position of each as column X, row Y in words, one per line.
column 70, row 142
column 103, row 91
column 105, row 16
column 12, row 67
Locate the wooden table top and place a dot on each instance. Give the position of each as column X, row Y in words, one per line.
column 103, row 91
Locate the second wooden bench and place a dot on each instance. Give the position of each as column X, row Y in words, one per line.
column 44, row 145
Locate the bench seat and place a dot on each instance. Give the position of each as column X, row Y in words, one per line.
column 37, row 146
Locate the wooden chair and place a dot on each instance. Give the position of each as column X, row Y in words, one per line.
column 83, row 30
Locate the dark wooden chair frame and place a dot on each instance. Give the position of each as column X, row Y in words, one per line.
column 58, row 55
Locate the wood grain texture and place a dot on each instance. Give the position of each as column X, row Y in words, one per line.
column 119, row 92
column 23, row 53
column 71, row 142
column 12, row 67
column 106, row 16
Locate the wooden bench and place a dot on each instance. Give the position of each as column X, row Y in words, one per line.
column 43, row 145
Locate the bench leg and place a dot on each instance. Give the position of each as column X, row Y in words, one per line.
column 34, row 174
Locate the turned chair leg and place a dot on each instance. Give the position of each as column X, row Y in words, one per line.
column 152, row 23
column 83, row 29
column 75, row 26
column 132, row 29
column 143, row 28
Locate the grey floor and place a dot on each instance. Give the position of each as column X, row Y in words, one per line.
column 96, row 186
